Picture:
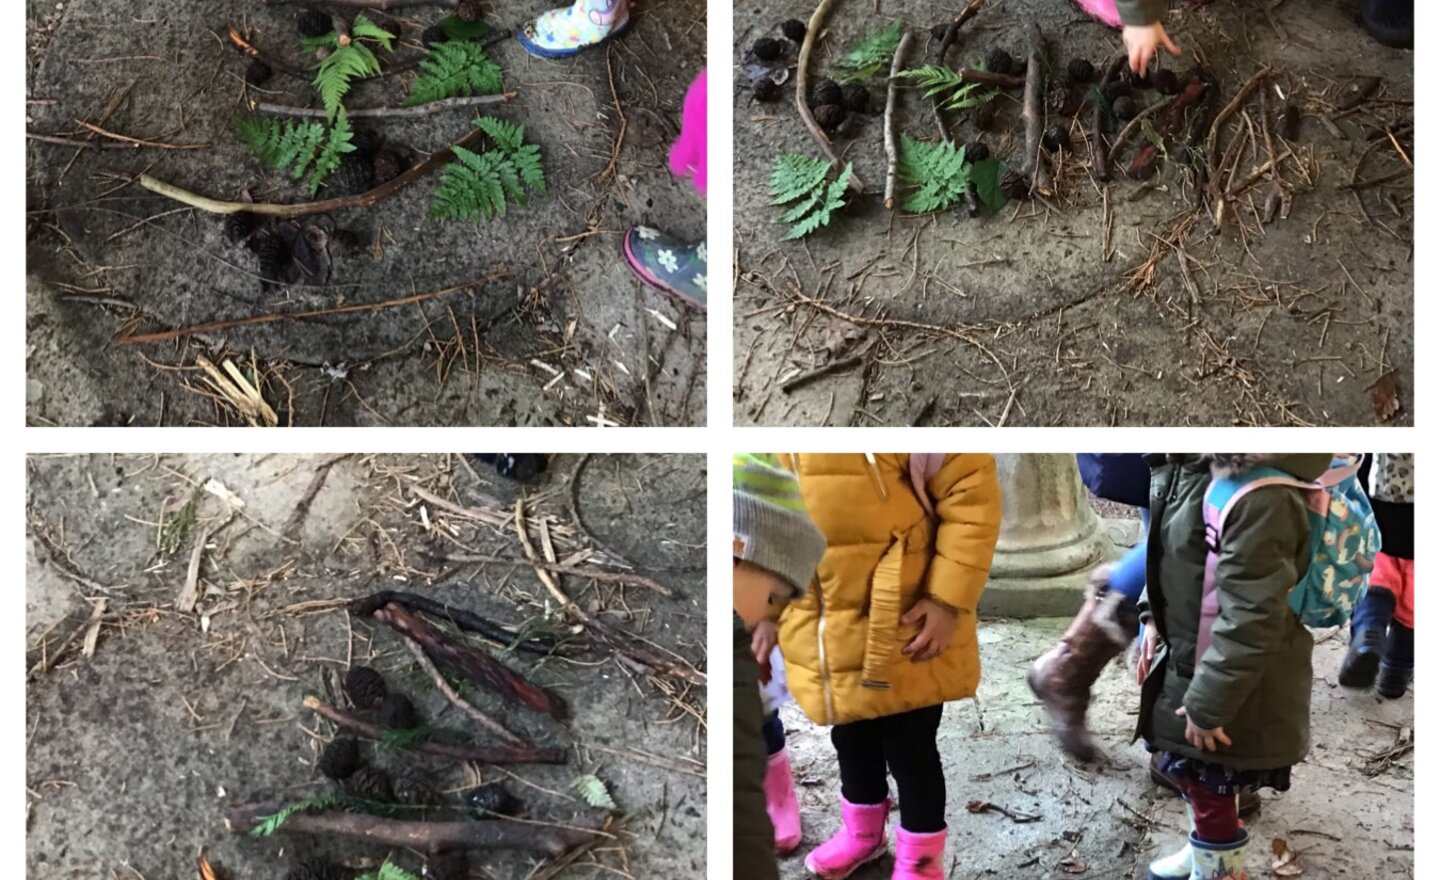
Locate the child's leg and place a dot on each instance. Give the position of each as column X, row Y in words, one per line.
column 774, row 731
column 861, row 756
column 1216, row 816
column 1398, row 665
column 914, row 761
column 565, row 31
column 1368, row 623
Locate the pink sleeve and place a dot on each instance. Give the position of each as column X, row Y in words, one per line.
column 687, row 156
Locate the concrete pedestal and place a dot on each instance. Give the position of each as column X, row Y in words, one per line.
column 1050, row 538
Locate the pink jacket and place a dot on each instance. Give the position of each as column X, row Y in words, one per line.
column 687, row 155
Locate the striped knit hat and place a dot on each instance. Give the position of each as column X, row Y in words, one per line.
column 771, row 528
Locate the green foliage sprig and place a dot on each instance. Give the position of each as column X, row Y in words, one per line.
column 594, row 792
column 298, row 147
column 453, row 69
column 270, row 824
column 942, row 175
column 478, row 185
column 805, row 182
column 870, row 56
column 388, row 871
column 946, row 84
column 344, row 64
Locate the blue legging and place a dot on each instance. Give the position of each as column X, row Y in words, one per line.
column 1128, row 576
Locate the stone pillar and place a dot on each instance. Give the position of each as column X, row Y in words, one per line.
column 1050, row 538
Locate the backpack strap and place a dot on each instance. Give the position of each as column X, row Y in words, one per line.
column 923, row 466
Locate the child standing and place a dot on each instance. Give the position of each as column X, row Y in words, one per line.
column 1382, row 629
column 775, row 549
column 886, row 637
column 1233, row 716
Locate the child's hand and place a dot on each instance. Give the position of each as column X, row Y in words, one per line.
column 1148, row 642
column 762, row 640
column 937, row 628
column 1200, row 737
column 1142, row 42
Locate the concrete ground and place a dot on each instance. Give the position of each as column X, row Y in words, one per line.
column 135, row 752
column 1106, row 820
column 1028, row 316
column 564, row 335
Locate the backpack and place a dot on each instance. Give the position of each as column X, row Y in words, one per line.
column 1343, row 541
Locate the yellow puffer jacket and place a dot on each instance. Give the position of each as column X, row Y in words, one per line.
column 842, row 640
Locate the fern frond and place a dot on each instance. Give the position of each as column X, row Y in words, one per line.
column 942, row 82
column 804, row 181
column 311, row 45
column 394, row 740
column 388, row 871
column 364, row 27
column 794, row 176
column 337, row 144
column 339, row 68
column 594, row 792
column 457, row 28
column 270, row 824
column 297, row 147
column 479, row 185
column 938, row 169
column 455, row 69
column 871, row 55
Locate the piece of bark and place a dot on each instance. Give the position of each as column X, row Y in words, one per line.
column 453, row 751
column 478, row 665
column 461, row 618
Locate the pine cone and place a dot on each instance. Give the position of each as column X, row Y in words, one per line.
column 365, row 687
column 371, row 784
column 365, row 141
column 829, row 116
column 856, row 98
column 793, row 29
column 314, row 869
column 399, row 713
column 275, row 261
column 1015, row 186
column 433, row 36
column 340, row 759
column 468, row 10
column 314, row 23
column 355, row 175
column 999, row 61
column 766, row 48
column 1080, row 70
column 493, row 797
column 387, row 165
column 240, row 226
column 826, row 91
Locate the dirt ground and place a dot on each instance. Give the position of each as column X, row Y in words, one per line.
column 563, row 336
column 1017, row 318
column 135, row 752
column 1108, row 816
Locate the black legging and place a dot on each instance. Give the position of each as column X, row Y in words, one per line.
column 906, row 743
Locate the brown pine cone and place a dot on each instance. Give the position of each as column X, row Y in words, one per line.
column 365, row 687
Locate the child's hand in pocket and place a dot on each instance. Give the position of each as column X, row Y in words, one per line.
column 1203, row 738
column 1148, row 642
column 937, row 628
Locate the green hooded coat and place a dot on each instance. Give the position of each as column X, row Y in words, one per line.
column 1255, row 678
column 1141, row 12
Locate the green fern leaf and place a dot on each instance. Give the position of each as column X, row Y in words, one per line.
column 457, row 28
column 337, row 144
column 946, row 84
column 338, row 69
column 480, row 185
column 270, row 824
column 364, row 27
column 939, row 170
column 388, row 871
column 794, row 176
column 311, row 45
column 986, row 177
column 594, row 792
column 803, row 207
column 455, row 69
column 394, row 740
column 873, row 54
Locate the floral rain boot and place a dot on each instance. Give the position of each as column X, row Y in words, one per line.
column 563, row 32
column 670, row 266
column 861, row 839
column 919, row 856
column 1220, row 861
column 781, row 804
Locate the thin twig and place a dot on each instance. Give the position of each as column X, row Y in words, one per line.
column 483, row 754
column 460, row 702
column 891, row 156
column 596, row 574
column 138, row 142
column 385, row 112
column 610, row 169
column 217, row 326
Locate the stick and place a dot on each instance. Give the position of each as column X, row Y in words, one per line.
column 1099, row 152
column 385, row 112
column 953, row 29
column 138, row 142
column 1031, row 113
column 476, row 663
column 1213, row 138
column 802, row 90
column 253, row 51
column 454, row 751
column 382, row 5
column 597, row 574
column 804, row 379
column 216, row 326
column 305, row 209
column 462, row 619
column 460, row 702
column 293, row 525
column 427, row 836
column 891, row 156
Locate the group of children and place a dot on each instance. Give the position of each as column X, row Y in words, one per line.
column 857, row 578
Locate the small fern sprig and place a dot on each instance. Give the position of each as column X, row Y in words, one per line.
column 271, row 823
column 594, row 792
column 298, row 147
column 478, row 185
column 453, row 69
column 804, row 182
column 364, row 28
column 942, row 82
column 871, row 55
column 388, row 871
column 343, row 64
column 943, row 176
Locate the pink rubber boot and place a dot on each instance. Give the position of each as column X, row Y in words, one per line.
column 861, row 839
column 919, row 856
column 1102, row 9
column 780, row 803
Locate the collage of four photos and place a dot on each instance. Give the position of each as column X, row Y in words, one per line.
column 986, row 221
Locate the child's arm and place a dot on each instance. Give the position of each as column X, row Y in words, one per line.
column 1144, row 34
column 966, row 495
column 1254, row 574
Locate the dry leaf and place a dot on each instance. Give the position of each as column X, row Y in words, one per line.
column 1385, row 397
column 207, row 870
column 1286, row 861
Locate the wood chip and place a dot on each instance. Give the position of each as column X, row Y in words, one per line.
column 92, row 629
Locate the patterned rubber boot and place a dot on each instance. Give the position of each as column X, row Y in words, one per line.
column 781, row 804
column 1220, row 861
column 1177, row 865
column 667, row 264
column 563, row 32
column 919, row 856
column 861, row 839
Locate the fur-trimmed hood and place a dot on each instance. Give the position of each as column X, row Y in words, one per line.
column 1304, row 465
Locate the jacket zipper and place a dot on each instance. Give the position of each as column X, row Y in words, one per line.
column 825, row 683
